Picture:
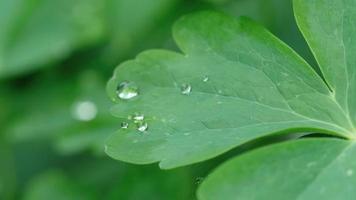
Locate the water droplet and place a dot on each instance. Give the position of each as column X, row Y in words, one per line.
column 142, row 126
column 127, row 90
column 349, row 172
column 206, row 79
column 84, row 111
column 139, row 117
column 199, row 180
column 124, row 125
column 186, row 89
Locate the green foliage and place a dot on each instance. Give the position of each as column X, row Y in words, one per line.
column 245, row 85
column 300, row 169
column 36, row 32
column 55, row 58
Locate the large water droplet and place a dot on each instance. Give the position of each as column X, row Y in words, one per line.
column 142, row 126
column 205, row 78
column 186, row 89
column 84, row 111
column 127, row 90
column 124, row 125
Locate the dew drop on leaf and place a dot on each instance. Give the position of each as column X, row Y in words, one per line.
column 186, row 89
column 127, row 90
column 199, row 180
column 139, row 117
column 142, row 126
column 124, row 125
column 206, row 79
column 84, row 111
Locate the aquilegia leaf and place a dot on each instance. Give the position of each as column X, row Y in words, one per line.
column 233, row 83
column 308, row 168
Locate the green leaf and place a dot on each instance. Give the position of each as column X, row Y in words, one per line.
column 329, row 29
column 309, row 169
column 257, row 87
column 302, row 169
column 35, row 33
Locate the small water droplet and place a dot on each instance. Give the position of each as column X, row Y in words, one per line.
column 142, row 126
column 186, row 89
column 84, row 111
column 139, row 117
column 199, row 180
column 127, row 90
column 205, row 78
column 124, row 125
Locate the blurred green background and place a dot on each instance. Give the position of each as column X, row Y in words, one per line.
column 55, row 59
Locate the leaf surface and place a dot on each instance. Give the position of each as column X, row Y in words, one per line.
column 257, row 86
column 302, row 169
column 329, row 28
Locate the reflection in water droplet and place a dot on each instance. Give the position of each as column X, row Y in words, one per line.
column 142, row 126
column 186, row 89
column 206, row 79
column 127, row 90
column 84, row 111
column 124, row 125
column 139, row 117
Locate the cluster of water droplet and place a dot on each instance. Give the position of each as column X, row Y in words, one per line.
column 186, row 88
column 138, row 120
column 128, row 90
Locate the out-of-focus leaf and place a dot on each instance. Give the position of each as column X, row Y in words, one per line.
column 151, row 183
column 7, row 171
column 106, row 179
column 132, row 24
column 55, row 185
column 60, row 123
column 37, row 32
